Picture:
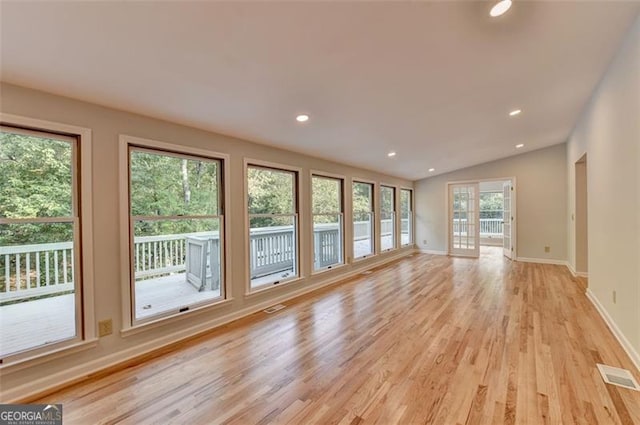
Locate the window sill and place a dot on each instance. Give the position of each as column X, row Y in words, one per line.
column 267, row 288
column 161, row 321
column 36, row 359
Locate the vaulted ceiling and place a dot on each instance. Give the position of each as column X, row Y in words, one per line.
column 434, row 82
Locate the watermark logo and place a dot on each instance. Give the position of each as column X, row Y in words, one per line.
column 30, row 414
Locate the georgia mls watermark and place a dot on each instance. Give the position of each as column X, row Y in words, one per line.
column 30, row 414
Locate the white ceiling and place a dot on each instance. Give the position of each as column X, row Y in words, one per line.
column 432, row 81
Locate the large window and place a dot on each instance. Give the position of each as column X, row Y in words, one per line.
column 406, row 217
column 362, row 220
column 328, row 226
column 273, row 225
column 40, row 279
column 176, row 226
column 387, row 218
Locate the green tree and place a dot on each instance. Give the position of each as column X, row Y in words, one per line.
column 35, row 181
column 326, row 194
column 491, row 204
column 271, row 192
column 169, row 186
column 362, row 197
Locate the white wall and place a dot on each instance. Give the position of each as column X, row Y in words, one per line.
column 107, row 124
column 491, row 186
column 609, row 132
column 541, row 202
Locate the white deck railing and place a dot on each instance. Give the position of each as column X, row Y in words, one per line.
column 34, row 270
column 28, row 271
column 488, row 226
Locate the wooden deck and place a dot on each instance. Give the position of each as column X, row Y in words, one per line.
column 162, row 294
column 33, row 323
column 30, row 324
column 428, row 339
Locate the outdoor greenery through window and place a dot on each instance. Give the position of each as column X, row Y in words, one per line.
column 177, row 226
column 40, row 292
column 387, row 218
column 491, row 216
column 491, row 205
column 328, row 228
column 362, row 219
column 273, row 225
column 406, row 217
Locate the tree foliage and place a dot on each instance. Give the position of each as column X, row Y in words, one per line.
column 405, row 203
column 168, row 186
column 362, row 197
column 491, row 204
column 271, row 192
column 35, row 182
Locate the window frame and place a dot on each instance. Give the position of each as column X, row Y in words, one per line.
column 394, row 214
column 81, row 217
column 342, row 180
column 411, row 218
column 298, row 207
column 130, row 325
column 375, row 249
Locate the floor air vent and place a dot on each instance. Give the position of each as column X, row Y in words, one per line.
column 273, row 309
column 620, row 377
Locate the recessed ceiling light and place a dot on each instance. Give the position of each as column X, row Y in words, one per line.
column 521, row 145
column 431, row 170
column 514, row 113
column 302, row 118
column 391, row 154
column 500, row 8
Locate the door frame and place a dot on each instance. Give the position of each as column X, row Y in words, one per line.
column 461, row 252
column 514, row 195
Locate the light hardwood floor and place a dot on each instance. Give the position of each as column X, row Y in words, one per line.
column 428, row 339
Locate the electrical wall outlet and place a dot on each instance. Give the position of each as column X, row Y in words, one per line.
column 105, row 327
column 547, row 249
column 424, row 242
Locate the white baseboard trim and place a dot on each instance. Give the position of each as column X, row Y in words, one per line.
column 624, row 342
column 432, row 252
column 542, row 261
column 82, row 371
column 574, row 273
